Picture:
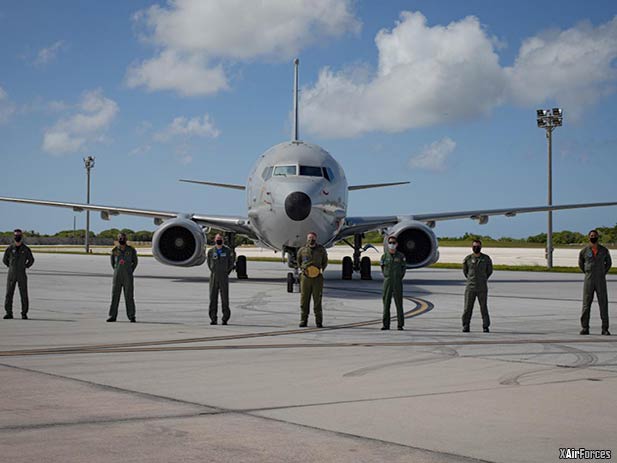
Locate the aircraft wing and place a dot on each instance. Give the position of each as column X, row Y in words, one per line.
column 364, row 224
column 227, row 223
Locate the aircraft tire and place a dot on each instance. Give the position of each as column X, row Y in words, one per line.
column 290, row 282
column 347, row 268
column 365, row 268
column 241, row 268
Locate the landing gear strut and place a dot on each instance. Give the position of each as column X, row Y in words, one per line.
column 240, row 266
column 293, row 278
column 362, row 265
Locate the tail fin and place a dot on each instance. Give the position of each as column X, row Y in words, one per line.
column 296, row 128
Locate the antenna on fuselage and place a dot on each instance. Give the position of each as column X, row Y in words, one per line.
column 295, row 132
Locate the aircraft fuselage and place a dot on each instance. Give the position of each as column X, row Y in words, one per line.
column 294, row 188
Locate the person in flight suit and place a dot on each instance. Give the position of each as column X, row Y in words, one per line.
column 221, row 261
column 393, row 267
column 124, row 262
column 477, row 268
column 312, row 260
column 595, row 261
column 17, row 257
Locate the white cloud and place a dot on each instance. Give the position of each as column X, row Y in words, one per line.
column 71, row 134
column 434, row 156
column 574, row 67
column 48, row 54
column 7, row 108
column 425, row 75
column 183, row 155
column 185, row 127
column 140, row 150
column 428, row 75
column 193, row 36
column 187, row 74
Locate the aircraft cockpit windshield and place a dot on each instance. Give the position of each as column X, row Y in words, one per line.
column 304, row 171
column 311, row 171
column 284, row 171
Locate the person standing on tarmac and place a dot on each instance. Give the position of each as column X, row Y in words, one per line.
column 393, row 267
column 312, row 259
column 595, row 261
column 221, row 261
column 18, row 258
column 124, row 262
column 477, row 268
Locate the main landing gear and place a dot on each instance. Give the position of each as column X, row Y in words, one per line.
column 357, row 264
column 240, row 266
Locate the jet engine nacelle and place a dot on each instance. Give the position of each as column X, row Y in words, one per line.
column 416, row 241
column 180, row 242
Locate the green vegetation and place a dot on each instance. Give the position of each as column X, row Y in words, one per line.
column 565, row 238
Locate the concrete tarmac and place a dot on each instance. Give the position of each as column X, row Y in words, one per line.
column 74, row 388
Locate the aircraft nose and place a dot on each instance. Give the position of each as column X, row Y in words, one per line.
column 298, row 206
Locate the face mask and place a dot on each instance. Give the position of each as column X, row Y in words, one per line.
column 17, row 238
column 219, row 242
column 594, row 240
column 392, row 246
column 122, row 241
column 311, row 242
column 477, row 249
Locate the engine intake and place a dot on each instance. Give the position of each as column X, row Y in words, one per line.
column 179, row 242
column 416, row 241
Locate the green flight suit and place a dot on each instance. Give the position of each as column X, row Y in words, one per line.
column 17, row 259
column 220, row 262
column 124, row 262
column 595, row 269
column 318, row 257
column 477, row 270
column 393, row 267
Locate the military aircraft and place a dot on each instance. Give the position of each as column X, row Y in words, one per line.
column 296, row 187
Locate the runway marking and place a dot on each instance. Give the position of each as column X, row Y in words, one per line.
column 421, row 307
column 112, row 350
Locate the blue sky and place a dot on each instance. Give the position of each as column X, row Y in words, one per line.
column 439, row 93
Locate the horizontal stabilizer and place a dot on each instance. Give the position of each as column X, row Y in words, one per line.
column 374, row 185
column 220, row 185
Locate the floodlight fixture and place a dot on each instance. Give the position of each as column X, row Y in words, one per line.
column 549, row 119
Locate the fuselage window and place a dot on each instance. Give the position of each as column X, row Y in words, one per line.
column 285, row 170
column 267, row 173
column 328, row 174
column 311, row 171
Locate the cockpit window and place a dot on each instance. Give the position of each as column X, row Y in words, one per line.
column 285, row 170
column 328, row 174
column 311, row 171
column 267, row 173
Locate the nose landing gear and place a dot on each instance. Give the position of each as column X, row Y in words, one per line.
column 293, row 278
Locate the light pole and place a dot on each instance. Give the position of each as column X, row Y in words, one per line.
column 549, row 119
column 89, row 164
